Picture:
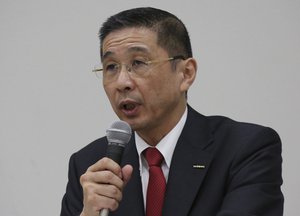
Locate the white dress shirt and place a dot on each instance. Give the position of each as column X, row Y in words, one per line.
column 166, row 147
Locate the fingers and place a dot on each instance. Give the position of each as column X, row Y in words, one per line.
column 97, row 197
column 106, row 164
column 104, row 177
column 102, row 185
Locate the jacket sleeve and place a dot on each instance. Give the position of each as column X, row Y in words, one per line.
column 72, row 200
column 255, row 178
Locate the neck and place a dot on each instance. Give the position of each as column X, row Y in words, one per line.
column 155, row 135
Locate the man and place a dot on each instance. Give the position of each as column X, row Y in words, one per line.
column 210, row 165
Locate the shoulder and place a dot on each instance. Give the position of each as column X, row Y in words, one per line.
column 225, row 127
column 232, row 136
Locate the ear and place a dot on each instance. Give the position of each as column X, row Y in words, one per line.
column 189, row 70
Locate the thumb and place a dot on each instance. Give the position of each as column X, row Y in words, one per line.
column 126, row 173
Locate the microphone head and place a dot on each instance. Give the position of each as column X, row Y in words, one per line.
column 119, row 133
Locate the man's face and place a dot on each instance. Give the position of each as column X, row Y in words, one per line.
column 148, row 104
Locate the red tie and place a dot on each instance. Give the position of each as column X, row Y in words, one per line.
column 157, row 183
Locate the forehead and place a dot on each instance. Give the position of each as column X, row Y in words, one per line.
column 130, row 40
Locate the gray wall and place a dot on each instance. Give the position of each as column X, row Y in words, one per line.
column 51, row 105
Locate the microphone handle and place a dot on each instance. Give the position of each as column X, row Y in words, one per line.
column 114, row 152
column 103, row 212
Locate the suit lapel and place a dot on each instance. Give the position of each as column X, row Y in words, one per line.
column 132, row 203
column 190, row 162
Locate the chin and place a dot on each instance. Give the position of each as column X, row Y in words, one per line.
column 133, row 124
column 136, row 123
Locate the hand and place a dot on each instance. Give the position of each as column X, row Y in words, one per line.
column 102, row 185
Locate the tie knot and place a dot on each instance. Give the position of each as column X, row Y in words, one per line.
column 153, row 157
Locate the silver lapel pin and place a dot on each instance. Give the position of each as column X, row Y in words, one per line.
column 198, row 166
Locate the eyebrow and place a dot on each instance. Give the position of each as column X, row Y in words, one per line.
column 130, row 50
column 107, row 54
column 139, row 49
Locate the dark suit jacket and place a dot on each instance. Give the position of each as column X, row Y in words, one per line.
column 219, row 167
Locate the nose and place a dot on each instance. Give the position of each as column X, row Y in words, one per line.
column 124, row 81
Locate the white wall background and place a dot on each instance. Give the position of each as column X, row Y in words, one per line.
column 52, row 105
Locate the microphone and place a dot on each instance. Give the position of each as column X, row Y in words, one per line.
column 118, row 135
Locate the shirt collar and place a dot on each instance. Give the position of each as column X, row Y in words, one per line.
column 167, row 145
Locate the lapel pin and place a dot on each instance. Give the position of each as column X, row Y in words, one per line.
column 198, row 166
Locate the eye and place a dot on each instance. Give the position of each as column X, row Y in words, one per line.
column 137, row 63
column 110, row 68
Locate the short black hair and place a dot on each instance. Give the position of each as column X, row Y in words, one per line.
column 172, row 34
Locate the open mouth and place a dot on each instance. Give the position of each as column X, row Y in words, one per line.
column 129, row 106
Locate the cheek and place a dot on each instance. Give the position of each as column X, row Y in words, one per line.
column 159, row 92
column 152, row 89
column 107, row 91
column 166, row 86
column 109, row 94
